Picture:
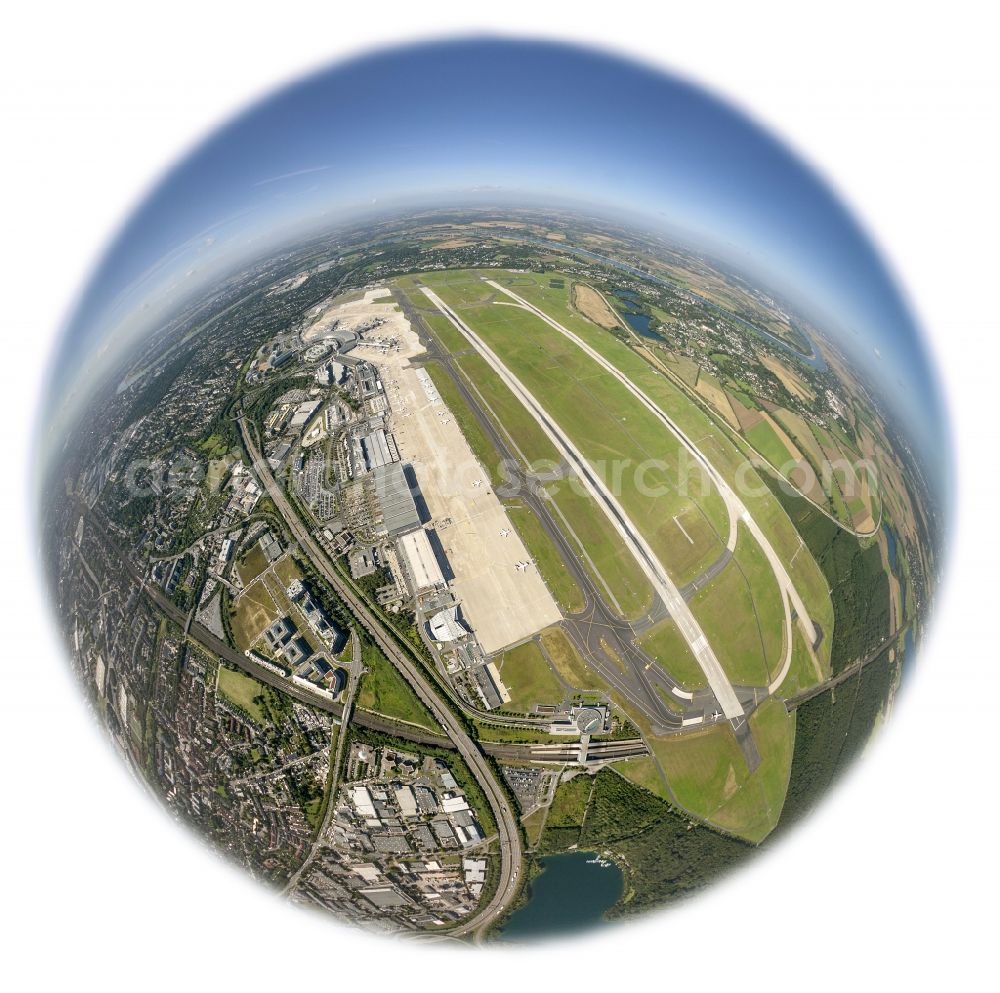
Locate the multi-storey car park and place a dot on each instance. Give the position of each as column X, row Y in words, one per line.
column 471, row 544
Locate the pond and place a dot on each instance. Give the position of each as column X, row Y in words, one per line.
column 572, row 892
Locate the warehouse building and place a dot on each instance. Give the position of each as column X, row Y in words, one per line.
column 423, row 571
column 379, row 449
column 395, row 500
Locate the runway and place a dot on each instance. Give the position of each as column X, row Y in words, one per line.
column 683, row 617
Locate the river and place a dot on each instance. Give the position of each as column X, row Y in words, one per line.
column 571, row 893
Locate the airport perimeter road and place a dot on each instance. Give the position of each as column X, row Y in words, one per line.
column 644, row 555
column 507, row 828
column 732, row 500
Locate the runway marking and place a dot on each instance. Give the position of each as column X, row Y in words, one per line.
column 683, row 532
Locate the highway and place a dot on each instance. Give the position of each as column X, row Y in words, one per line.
column 508, row 836
column 644, row 555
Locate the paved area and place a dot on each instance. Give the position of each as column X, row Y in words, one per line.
column 630, row 534
column 502, row 593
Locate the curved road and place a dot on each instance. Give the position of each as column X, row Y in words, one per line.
column 507, row 828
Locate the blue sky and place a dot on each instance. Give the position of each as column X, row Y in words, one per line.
column 547, row 120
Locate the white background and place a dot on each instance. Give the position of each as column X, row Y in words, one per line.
column 893, row 881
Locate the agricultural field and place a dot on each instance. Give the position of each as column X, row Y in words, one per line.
column 593, row 306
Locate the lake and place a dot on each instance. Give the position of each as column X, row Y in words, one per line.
column 570, row 894
column 637, row 321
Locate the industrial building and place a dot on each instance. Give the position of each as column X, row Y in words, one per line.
column 491, row 687
column 277, row 359
column 379, row 449
column 395, row 500
column 302, row 414
column 423, row 571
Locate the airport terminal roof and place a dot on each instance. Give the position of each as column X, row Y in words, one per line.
column 399, row 510
column 445, row 625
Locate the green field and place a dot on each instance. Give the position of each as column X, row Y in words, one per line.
column 287, row 570
column 694, row 421
column 742, row 614
column 244, row 691
column 541, row 548
column 613, row 430
column 664, row 644
column 500, row 733
column 803, row 672
column 533, row 825
column 528, row 678
column 569, row 805
column 586, row 525
column 708, row 774
column 251, row 564
column 568, row 663
column 384, row 691
column 255, row 610
column 644, row 772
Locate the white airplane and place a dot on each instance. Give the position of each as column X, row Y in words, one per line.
column 521, row 566
column 504, row 532
column 478, row 483
column 716, row 716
